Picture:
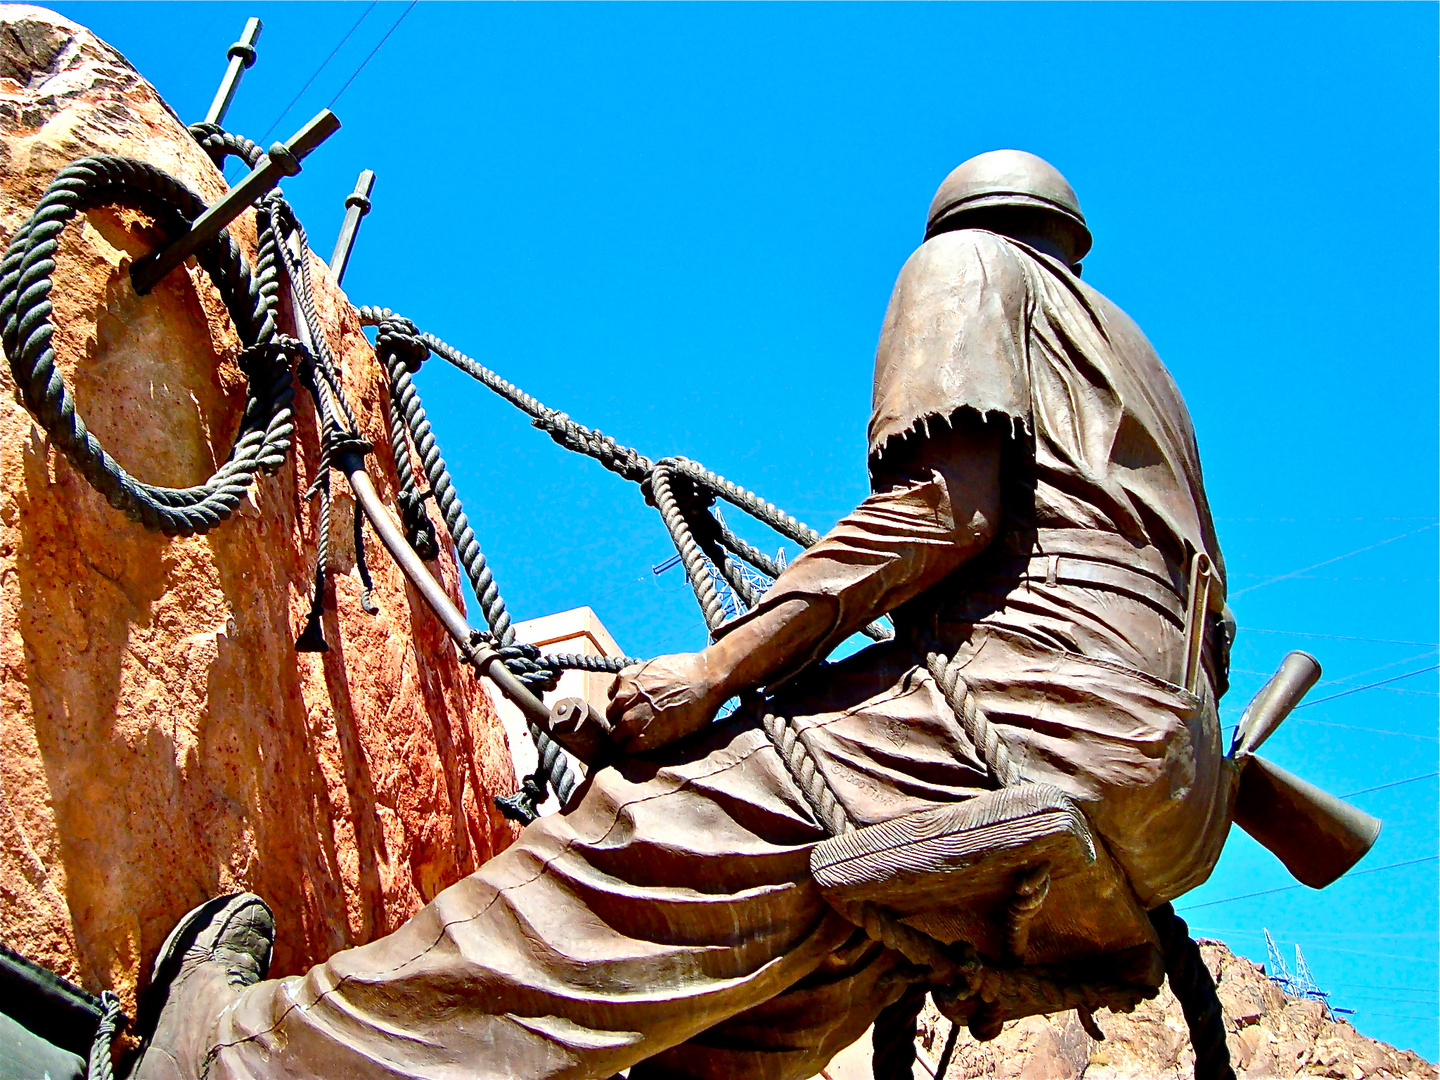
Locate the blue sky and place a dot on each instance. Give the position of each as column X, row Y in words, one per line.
column 680, row 224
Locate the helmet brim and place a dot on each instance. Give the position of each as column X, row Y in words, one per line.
column 946, row 218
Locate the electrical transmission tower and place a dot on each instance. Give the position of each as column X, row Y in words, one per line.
column 730, row 603
column 1302, row 984
column 1275, row 967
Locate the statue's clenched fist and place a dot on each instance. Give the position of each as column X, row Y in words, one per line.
column 662, row 700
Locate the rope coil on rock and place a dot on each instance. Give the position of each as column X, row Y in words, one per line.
column 267, row 424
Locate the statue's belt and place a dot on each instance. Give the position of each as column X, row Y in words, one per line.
column 1053, row 557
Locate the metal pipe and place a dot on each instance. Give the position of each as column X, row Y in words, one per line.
column 349, row 458
column 357, row 205
column 485, row 660
column 282, row 160
column 242, row 55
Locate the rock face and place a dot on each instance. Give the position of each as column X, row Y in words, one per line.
column 160, row 739
column 1269, row 1034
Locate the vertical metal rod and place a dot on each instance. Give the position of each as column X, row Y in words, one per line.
column 350, row 460
column 242, row 55
column 357, row 205
column 282, row 160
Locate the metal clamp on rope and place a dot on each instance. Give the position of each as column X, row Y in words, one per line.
column 283, row 160
column 351, row 446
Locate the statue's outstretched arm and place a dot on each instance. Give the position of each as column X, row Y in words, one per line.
column 933, row 508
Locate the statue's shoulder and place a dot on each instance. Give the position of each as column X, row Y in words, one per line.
column 963, row 253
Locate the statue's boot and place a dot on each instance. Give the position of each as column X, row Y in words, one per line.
column 214, row 953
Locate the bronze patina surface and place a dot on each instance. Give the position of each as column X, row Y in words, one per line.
column 1037, row 505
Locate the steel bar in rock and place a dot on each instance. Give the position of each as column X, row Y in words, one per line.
column 357, row 205
column 348, row 456
column 242, row 55
column 283, row 159
column 485, row 660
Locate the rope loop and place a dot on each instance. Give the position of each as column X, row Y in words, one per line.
column 267, row 424
column 220, row 144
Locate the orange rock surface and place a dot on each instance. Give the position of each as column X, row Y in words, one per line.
column 160, row 739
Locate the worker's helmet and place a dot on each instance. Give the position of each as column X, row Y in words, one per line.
column 1008, row 178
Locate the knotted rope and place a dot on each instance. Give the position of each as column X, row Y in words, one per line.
column 101, row 1065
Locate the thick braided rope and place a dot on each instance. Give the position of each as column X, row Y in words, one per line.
column 579, row 662
column 748, row 552
column 1195, row 990
column 957, row 966
column 689, row 550
column 266, row 425
column 220, row 144
column 367, row 584
column 623, row 460
column 401, row 335
column 747, row 501
column 807, row 776
column 766, row 513
column 419, row 529
column 977, row 727
column 282, row 221
column 892, row 1040
column 725, row 566
column 1030, row 893
column 101, row 1064
column 709, row 534
column 406, row 400
column 312, row 637
column 626, row 461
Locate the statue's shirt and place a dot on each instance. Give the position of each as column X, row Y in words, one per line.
column 983, row 323
column 1101, row 467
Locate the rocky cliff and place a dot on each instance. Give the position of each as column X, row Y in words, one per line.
column 1270, row 1035
column 160, row 739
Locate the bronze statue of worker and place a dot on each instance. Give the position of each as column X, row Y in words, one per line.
column 1037, row 500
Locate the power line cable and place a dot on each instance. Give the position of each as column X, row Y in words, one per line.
column 323, row 65
column 1382, row 787
column 1340, row 637
column 1371, row 671
column 373, row 51
column 1370, row 686
column 1394, row 1015
column 1367, row 730
column 1307, row 934
column 1327, row 562
column 1289, row 888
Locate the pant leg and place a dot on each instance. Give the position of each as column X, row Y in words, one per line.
column 673, row 896
column 794, row 1034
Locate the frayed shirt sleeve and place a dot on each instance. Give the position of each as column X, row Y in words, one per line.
column 955, row 337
